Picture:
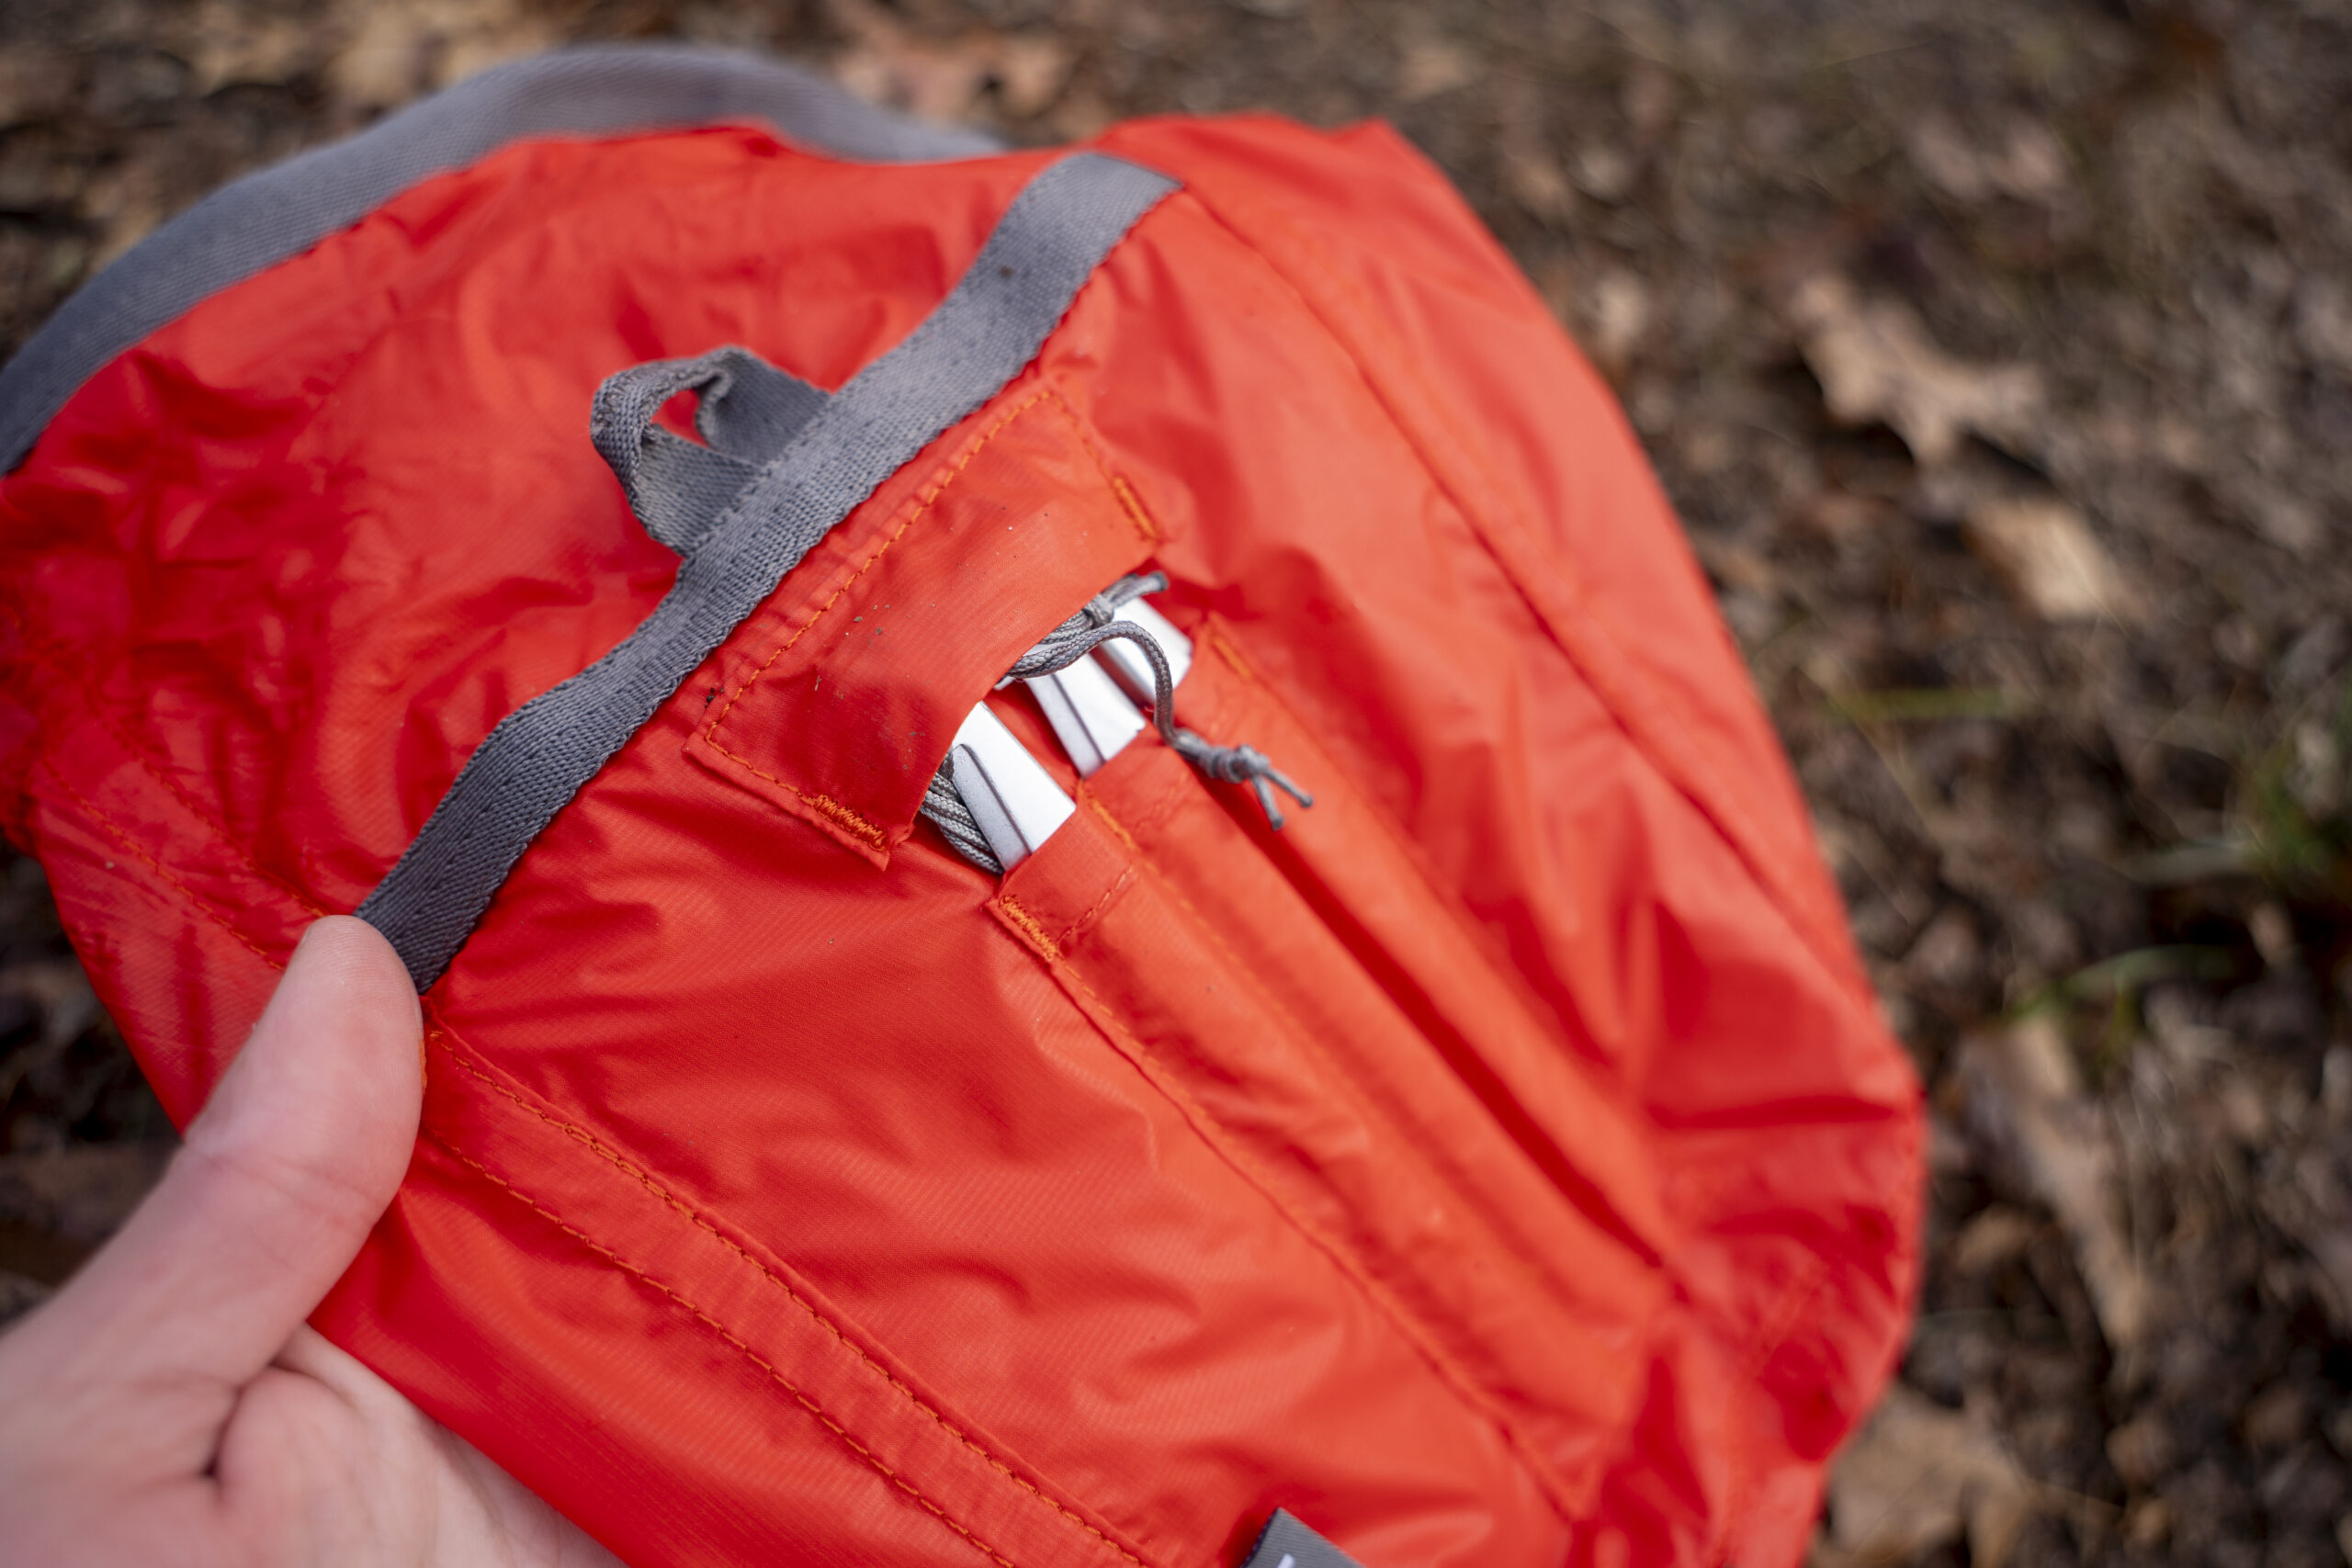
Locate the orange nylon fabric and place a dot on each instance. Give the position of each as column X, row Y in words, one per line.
column 1504, row 1163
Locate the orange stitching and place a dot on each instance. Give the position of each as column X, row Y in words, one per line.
column 1118, row 886
column 1094, row 803
column 1117, row 486
column 644, row 1278
column 929, row 499
column 1723, row 804
column 1406, row 849
column 1443, row 1173
column 131, row 845
column 1229, row 653
column 1134, row 504
column 1028, row 923
column 196, row 808
column 647, row 1180
column 869, row 831
column 1212, row 1133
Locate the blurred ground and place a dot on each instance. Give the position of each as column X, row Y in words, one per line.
column 1999, row 358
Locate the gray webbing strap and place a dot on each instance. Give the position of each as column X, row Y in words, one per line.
column 1044, row 247
column 257, row 222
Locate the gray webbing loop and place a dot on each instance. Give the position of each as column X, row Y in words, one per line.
column 749, row 412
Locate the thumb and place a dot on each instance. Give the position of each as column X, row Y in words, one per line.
column 280, row 1178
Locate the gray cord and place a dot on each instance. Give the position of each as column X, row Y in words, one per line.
column 1065, row 646
column 1099, row 611
column 1233, row 764
column 944, row 804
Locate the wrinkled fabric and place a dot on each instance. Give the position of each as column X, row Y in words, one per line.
column 1503, row 1164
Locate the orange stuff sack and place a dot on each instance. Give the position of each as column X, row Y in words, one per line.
column 578, row 524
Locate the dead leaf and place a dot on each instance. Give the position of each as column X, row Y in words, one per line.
column 472, row 51
column 227, row 45
column 2026, row 1113
column 1430, row 66
column 939, row 85
column 1877, row 364
column 1617, row 306
column 889, row 64
column 2028, row 163
column 1604, row 173
column 1918, row 1476
column 1532, row 175
column 1995, row 1237
column 389, row 59
column 2046, row 556
column 1082, row 115
column 1031, row 69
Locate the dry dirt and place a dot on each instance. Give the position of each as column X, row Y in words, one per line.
column 1999, row 358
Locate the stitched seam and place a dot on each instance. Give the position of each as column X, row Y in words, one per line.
column 870, row 831
column 1119, row 885
column 1212, row 1133
column 1426, row 881
column 745, row 1351
column 1094, row 804
column 1720, row 799
column 196, row 808
column 132, row 846
column 1452, row 1181
column 1230, row 654
column 1134, row 504
column 1028, row 923
column 1721, row 804
column 51, row 654
column 1136, row 517
column 646, row 1179
column 929, row 498
column 860, row 828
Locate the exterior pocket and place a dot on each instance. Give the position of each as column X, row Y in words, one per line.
column 1358, row 1058
column 840, row 712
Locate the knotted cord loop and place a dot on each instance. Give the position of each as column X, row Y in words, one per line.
column 1100, row 610
column 1241, row 764
column 1092, row 627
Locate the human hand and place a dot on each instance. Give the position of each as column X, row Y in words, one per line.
column 170, row 1406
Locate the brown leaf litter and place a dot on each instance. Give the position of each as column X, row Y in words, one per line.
column 1877, row 365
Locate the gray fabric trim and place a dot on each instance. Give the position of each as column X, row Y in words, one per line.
column 262, row 220
column 1044, row 247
